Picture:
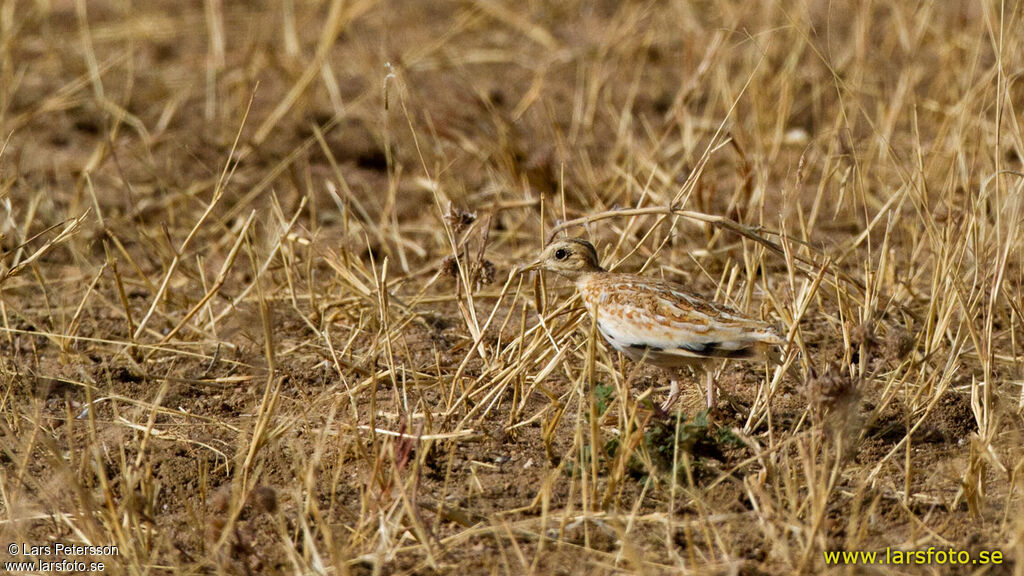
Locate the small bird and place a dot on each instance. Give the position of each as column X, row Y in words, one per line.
column 659, row 322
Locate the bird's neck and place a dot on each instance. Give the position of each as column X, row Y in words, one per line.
column 584, row 277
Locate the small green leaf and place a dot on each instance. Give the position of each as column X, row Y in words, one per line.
column 602, row 395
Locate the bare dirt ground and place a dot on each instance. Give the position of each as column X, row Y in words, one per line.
column 259, row 310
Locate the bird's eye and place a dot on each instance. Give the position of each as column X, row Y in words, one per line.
column 561, row 254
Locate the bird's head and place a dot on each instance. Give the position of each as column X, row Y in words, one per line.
column 569, row 257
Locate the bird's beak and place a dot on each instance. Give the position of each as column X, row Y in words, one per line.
column 535, row 265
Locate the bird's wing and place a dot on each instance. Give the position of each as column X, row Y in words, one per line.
column 666, row 322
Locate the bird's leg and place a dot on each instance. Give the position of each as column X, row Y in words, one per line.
column 712, row 389
column 673, row 392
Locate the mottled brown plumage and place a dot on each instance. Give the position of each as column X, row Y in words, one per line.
column 659, row 322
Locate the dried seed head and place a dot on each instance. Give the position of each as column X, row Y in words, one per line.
column 215, row 525
column 899, row 343
column 264, row 499
column 220, row 505
column 220, row 501
column 458, row 218
column 833, row 392
column 450, row 267
column 864, row 334
column 485, row 273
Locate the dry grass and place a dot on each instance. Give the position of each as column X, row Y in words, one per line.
column 259, row 308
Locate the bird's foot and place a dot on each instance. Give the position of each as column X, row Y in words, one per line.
column 662, row 412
